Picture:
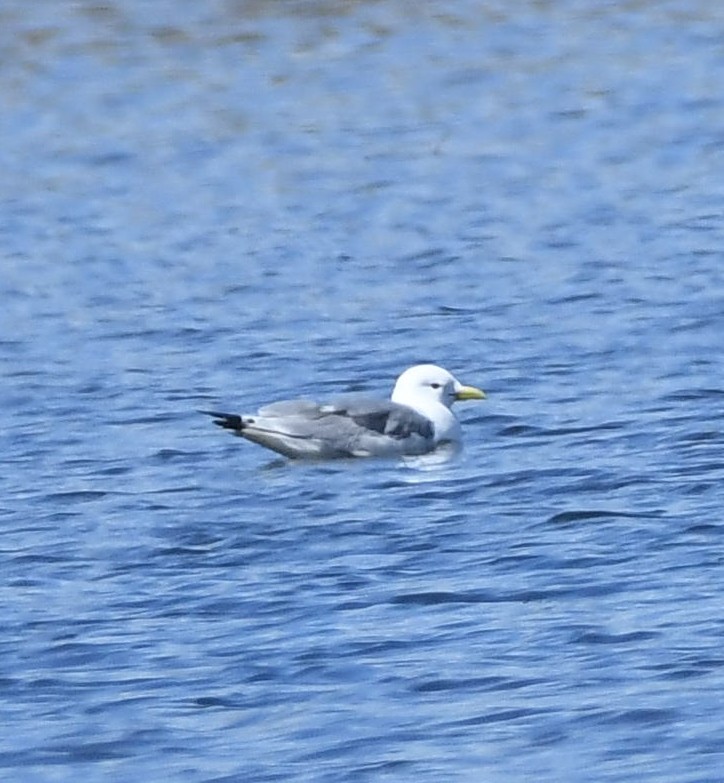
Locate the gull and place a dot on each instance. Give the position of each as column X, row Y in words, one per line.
column 416, row 420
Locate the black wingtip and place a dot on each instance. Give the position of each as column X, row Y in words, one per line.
column 229, row 421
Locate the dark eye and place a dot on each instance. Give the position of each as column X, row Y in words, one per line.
column 436, row 385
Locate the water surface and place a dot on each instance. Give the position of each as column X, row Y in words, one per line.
column 221, row 204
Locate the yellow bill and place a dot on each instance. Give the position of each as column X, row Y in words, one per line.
column 469, row 393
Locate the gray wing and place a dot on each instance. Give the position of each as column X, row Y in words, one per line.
column 347, row 426
column 382, row 417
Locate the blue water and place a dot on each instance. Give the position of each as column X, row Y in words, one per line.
column 226, row 203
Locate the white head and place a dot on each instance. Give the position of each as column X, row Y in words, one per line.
column 427, row 384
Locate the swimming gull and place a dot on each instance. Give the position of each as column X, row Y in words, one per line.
column 416, row 420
